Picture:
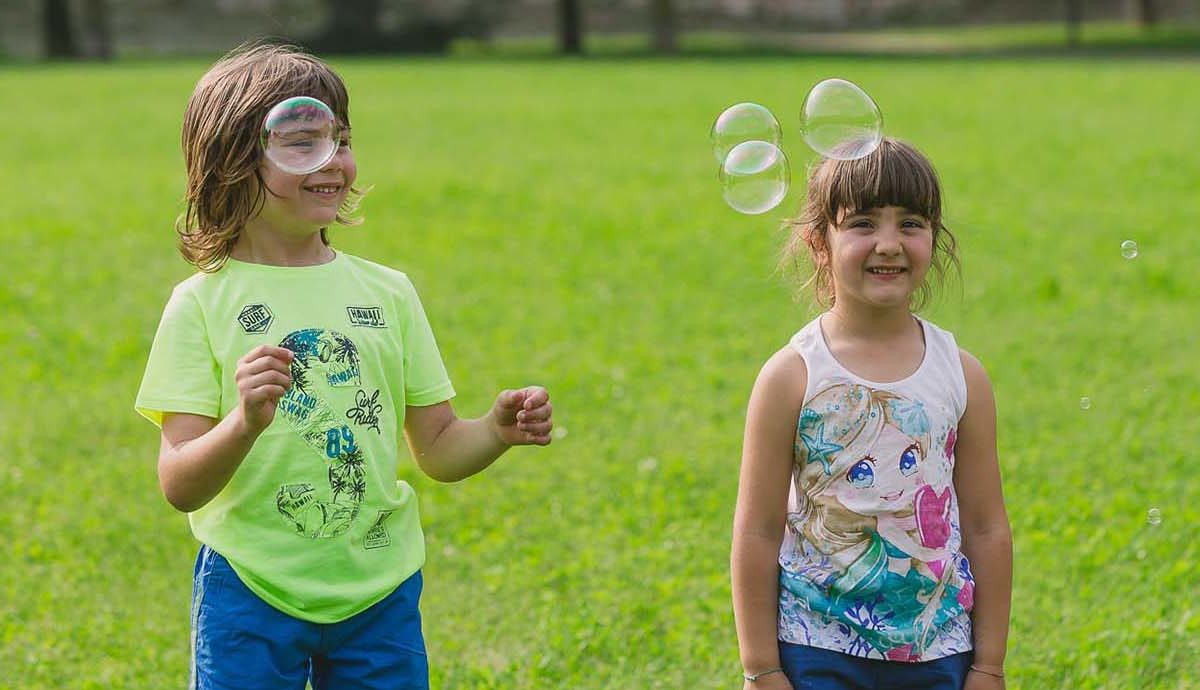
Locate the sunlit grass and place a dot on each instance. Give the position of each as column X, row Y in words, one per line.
column 563, row 224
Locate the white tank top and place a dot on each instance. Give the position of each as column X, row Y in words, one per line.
column 870, row 563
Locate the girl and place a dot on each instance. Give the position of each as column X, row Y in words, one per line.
column 871, row 547
column 281, row 376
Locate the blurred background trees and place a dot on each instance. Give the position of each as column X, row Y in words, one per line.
column 99, row 29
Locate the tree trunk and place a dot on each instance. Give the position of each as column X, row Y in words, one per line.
column 570, row 27
column 1147, row 13
column 1074, row 21
column 662, row 19
column 57, row 30
column 98, row 36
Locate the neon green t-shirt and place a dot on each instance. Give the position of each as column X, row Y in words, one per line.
column 314, row 520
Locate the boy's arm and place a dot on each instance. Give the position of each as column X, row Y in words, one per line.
column 986, row 535
column 450, row 449
column 199, row 455
column 761, row 513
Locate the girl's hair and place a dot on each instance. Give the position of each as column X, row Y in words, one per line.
column 222, row 129
column 894, row 174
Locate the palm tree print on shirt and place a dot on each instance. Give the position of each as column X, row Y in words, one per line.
column 325, row 361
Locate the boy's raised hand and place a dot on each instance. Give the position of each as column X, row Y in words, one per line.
column 263, row 376
column 522, row 417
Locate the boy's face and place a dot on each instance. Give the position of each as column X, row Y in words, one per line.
column 879, row 256
column 303, row 204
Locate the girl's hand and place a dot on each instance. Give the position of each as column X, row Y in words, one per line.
column 522, row 417
column 263, row 376
column 982, row 681
column 774, row 681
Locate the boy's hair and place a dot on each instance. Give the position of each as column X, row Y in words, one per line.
column 222, row 150
column 894, row 174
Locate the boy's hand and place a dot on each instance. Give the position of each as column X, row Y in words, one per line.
column 522, row 417
column 263, row 376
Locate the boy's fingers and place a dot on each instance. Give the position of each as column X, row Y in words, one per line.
column 281, row 353
column 271, row 377
column 540, row 414
column 535, row 396
column 267, row 392
column 511, row 399
column 262, row 364
column 536, row 428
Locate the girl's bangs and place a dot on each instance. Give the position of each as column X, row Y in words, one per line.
column 889, row 176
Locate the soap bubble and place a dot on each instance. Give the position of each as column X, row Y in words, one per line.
column 755, row 177
column 839, row 120
column 300, row 135
column 743, row 122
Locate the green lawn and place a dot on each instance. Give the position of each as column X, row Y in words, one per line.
column 564, row 226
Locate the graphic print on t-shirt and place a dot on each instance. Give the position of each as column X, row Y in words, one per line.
column 874, row 521
column 324, row 371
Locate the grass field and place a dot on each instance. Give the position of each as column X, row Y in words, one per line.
column 564, row 226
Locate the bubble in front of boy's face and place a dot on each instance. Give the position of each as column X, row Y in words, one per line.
column 740, row 123
column 754, row 177
column 839, row 120
column 300, row 135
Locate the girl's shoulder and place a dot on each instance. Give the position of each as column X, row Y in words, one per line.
column 783, row 378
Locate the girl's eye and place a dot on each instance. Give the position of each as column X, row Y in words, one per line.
column 908, row 460
column 862, row 474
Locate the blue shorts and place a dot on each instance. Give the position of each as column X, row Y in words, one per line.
column 813, row 668
column 241, row 642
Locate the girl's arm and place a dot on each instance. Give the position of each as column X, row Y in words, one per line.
column 761, row 513
column 198, row 454
column 449, row 449
column 987, row 537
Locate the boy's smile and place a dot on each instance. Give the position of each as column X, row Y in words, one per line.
column 303, row 204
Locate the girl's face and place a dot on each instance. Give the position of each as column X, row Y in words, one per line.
column 303, row 204
column 884, row 481
column 879, row 256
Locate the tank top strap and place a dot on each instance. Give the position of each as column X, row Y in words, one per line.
column 941, row 349
column 809, row 342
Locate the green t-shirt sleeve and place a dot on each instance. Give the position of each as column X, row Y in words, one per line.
column 181, row 374
column 425, row 379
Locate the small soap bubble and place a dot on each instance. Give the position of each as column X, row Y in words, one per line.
column 1129, row 249
column 648, row 465
column 755, row 177
column 1154, row 516
column 743, row 122
column 560, row 432
column 1085, row 403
